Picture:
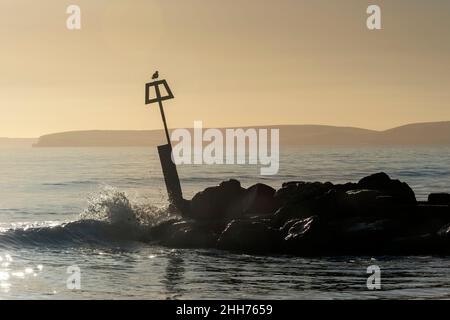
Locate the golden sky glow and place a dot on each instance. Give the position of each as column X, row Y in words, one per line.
column 229, row 63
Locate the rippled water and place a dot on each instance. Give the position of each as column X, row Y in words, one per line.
column 44, row 191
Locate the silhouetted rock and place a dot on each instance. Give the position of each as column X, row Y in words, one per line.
column 361, row 201
column 259, row 199
column 304, row 199
column 365, row 203
column 444, row 232
column 301, row 229
column 298, row 191
column 377, row 215
column 188, row 234
column 216, row 203
column 439, row 198
column 249, row 236
column 400, row 191
column 307, row 236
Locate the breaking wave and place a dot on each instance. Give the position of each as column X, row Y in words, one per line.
column 110, row 218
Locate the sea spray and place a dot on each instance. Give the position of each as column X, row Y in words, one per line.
column 114, row 206
column 109, row 205
column 110, row 219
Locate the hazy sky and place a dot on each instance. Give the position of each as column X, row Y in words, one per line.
column 229, row 63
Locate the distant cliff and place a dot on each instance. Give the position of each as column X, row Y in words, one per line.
column 101, row 138
column 432, row 133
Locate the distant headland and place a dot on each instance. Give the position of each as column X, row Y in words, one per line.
column 429, row 133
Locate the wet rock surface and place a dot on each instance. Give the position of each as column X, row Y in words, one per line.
column 377, row 215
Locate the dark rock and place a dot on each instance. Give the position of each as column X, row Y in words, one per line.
column 364, row 203
column 383, row 201
column 292, row 212
column 161, row 230
column 294, row 192
column 427, row 211
column 188, row 234
column 377, row 215
column 400, row 191
column 362, row 198
column 346, row 187
column 249, row 236
column 285, row 228
column 259, row 200
column 304, row 199
column 415, row 244
column 301, row 229
column 218, row 203
column 353, row 228
column 368, row 235
column 439, row 198
column 307, row 237
column 444, row 233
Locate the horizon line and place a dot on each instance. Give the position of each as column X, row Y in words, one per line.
column 234, row 127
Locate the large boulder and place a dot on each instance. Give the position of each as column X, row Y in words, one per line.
column 400, row 191
column 298, row 191
column 300, row 228
column 259, row 199
column 365, row 235
column 342, row 236
column 313, row 200
column 249, row 236
column 304, row 199
column 307, row 236
column 188, row 234
column 364, row 203
column 444, row 233
column 222, row 202
column 439, row 198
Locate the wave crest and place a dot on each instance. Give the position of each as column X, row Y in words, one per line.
column 110, row 217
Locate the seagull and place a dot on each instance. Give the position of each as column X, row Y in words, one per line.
column 155, row 75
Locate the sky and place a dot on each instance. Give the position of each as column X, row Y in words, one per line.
column 229, row 64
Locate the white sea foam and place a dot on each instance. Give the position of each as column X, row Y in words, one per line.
column 109, row 217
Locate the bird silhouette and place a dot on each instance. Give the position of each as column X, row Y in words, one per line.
column 155, row 75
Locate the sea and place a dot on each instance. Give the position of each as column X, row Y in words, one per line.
column 74, row 222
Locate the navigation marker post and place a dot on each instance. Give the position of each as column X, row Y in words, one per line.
column 169, row 169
